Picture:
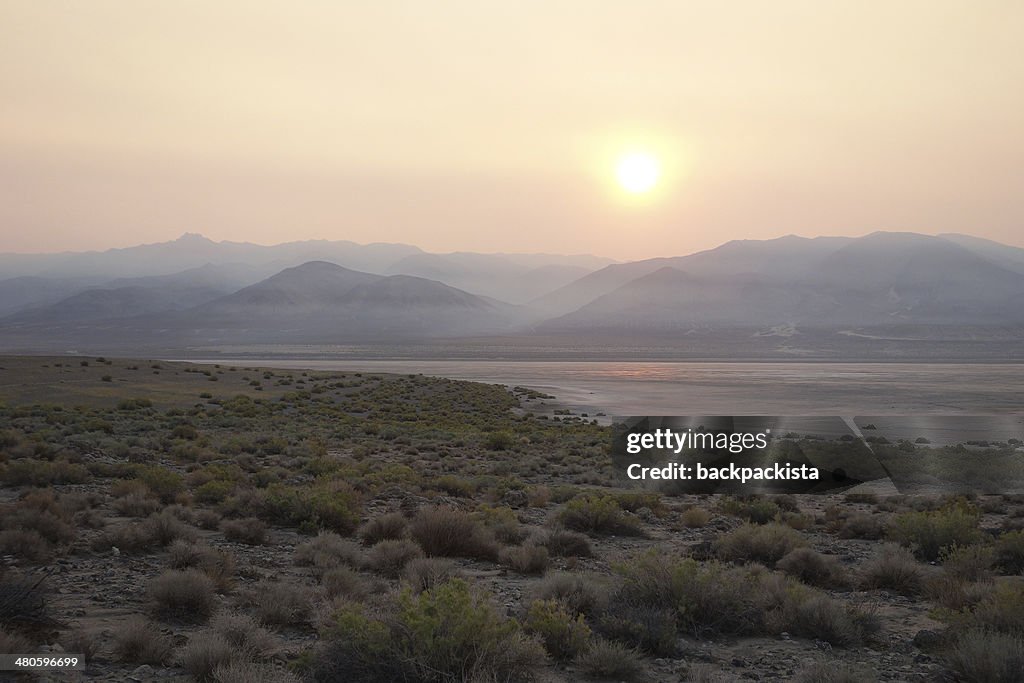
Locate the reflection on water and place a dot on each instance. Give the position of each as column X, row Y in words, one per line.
column 672, row 388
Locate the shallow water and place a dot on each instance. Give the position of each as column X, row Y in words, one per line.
column 686, row 388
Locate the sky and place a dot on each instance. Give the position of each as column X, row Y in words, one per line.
column 485, row 125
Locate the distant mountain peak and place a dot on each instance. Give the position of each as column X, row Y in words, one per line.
column 193, row 238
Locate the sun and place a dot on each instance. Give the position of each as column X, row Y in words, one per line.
column 638, row 172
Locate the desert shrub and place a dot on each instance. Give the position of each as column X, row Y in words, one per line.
column 327, row 549
column 80, row 642
column 186, row 595
column 447, row 532
column 205, row 652
column 27, row 472
column 1009, row 552
column 344, row 581
column 139, row 641
column 250, row 531
column 754, row 510
column 929, row 532
column 812, row 568
column 447, row 633
column 562, row 543
column 426, row 572
column 649, row 627
column 327, row 505
column 978, row 656
column 252, row 672
column 15, row 643
column 391, row 526
column 864, row 526
column 279, row 604
column 600, row 514
column 454, row 486
column 218, row 565
column 822, row 618
column 1001, row 609
column 164, row 483
column 969, row 563
column 579, row 593
column 526, row 559
column 502, row 523
column 608, row 660
column 390, row 556
column 766, row 543
column 22, row 601
column 136, row 504
column 499, row 441
column 833, row 672
column 24, row 544
column 695, row 517
column 244, row 633
column 893, row 568
column 564, row 635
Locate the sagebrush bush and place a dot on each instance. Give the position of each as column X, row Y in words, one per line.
column 326, row 550
column 447, row 532
column 579, row 593
column 599, row 514
column 753, row 509
column 978, row 656
column 389, row 557
column 279, row 603
column 389, row 527
column 766, row 543
column 562, row 543
column 250, row 530
column 695, row 518
column 526, row 559
column 450, row 632
column 894, row 568
column 426, row 572
column 607, row 660
column 205, row 652
column 140, row 641
column 813, row 568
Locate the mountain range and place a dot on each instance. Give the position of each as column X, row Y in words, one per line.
column 768, row 297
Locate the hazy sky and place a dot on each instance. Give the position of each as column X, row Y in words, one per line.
column 494, row 125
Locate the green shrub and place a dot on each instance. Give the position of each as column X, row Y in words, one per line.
column 328, row 504
column 564, row 635
column 929, row 532
column 499, row 441
column 446, row 532
column 164, row 483
column 1009, row 552
column 447, row 633
column 598, row 513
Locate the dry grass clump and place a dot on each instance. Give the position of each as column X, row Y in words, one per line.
column 766, row 544
column 447, row 532
column 345, row 582
column 813, row 568
column 389, row 527
column 139, row 641
column 526, row 559
column 390, row 556
column 695, row 518
column 969, row 563
column 205, row 653
column 580, row 593
column 893, row 568
column 187, row 595
column 250, row 531
column 610, row 661
column 327, row 550
column 159, row 529
column 244, row 633
column 426, row 572
column 978, row 656
column 217, row 564
column 280, row 604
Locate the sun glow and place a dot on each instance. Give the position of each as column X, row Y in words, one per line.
column 638, row 172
